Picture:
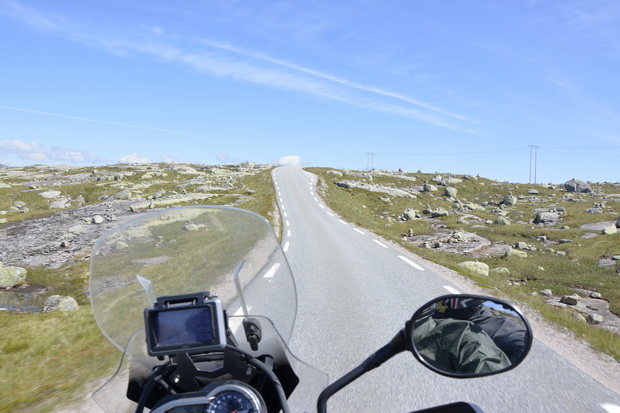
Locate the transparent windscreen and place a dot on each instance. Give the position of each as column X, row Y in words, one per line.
column 188, row 250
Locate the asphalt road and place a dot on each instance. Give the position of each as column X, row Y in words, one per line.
column 355, row 291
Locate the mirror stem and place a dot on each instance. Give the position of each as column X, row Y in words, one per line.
column 395, row 346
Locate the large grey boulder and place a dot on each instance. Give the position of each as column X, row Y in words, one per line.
column 501, row 221
column 547, row 218
column 411, row 214
column 450, row 191
column 429, row 188
column 510, row 200
column 474, row 267
column 578, row 186
column 12, row 276
column 618, row 223
column 60, row 303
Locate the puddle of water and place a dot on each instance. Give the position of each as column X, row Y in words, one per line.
column 22, row 302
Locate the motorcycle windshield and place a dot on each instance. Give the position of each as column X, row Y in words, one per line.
column 187, row 250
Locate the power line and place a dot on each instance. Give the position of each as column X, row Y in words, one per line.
column 534, row 152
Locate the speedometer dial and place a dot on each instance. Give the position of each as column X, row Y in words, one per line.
column 235, row 398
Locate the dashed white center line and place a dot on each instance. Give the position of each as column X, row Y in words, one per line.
column 342, row 222
column 272, row 270
column 413, row 264
column 380, row 244
column 288, row 233
column 357, row 230
column 451, row 290
column 286, row 245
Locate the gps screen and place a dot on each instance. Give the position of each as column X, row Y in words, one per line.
column 185, row 326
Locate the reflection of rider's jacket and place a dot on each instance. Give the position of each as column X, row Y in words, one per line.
column 505, row 332
column 458, row 346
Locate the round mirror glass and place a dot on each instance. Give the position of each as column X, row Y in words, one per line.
column 469, row 336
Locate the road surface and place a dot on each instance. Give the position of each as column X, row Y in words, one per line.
column 355, row 291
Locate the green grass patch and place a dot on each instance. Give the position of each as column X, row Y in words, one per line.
column 47, row 358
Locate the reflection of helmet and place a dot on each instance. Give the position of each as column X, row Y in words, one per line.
column 425, row 314
column 456, row 303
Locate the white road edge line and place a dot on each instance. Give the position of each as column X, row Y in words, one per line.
column 342, row 222
column 322, row 207
column 357, row 230
column 286, row 245
column 451, row 290
column 287, row 223
column 272, row 270
column 288, row 233
column 383, row 245
column 285, row 216
column 330, row 214
column 413, row 264
column 611, row 408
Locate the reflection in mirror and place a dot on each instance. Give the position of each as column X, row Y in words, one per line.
column 468, row 336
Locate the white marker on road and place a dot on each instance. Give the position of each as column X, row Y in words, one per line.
column 342, row 222
column 451, row 290
column 611, row 408
column 286, row 245
column 330, row 214
column 288, row 233
column 287, row 223
column 383, row 245
column 272, row 270
column 413, row 264
column 357, row 230
column 322, row 207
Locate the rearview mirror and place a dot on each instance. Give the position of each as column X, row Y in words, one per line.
column 468, row 336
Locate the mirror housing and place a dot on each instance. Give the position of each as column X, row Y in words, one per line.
column 466, row 336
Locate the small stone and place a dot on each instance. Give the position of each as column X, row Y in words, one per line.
column 515, row 253
column 546, row 292
column 593, row 318
column 97, row 219
column 562, row 253
column 60, row 303
column 570, row 299
column 596, row 295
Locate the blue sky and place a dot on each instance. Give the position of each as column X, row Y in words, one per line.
column 448, row 86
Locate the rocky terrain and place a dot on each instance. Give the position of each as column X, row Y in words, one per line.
column 51, row 216
column 557, row 242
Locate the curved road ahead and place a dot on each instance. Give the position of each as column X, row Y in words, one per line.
column 355, row 291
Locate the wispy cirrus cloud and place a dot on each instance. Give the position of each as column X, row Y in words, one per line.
column 227, row 61
column 36, row 152
column 60, row 115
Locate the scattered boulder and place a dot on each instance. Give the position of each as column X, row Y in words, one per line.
column 334, row 173
column 50, row 194
column 510, row 200
column 547, row 218
column 411, row 214
column 60, row 303
column 578, row 186
column 515, row 253
column 440, row 212
column 618, row 223
column 546, row 292
column 450, row 191
column 594, row 318
column 12, row 276
column 97, row 219
column 570, row 299
column 612, row 229
column 500, row 271
column 501, row 221
column 475, row 267
column 429, row 188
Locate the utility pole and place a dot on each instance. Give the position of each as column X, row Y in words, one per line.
column 533, row 153
column 369, row 163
